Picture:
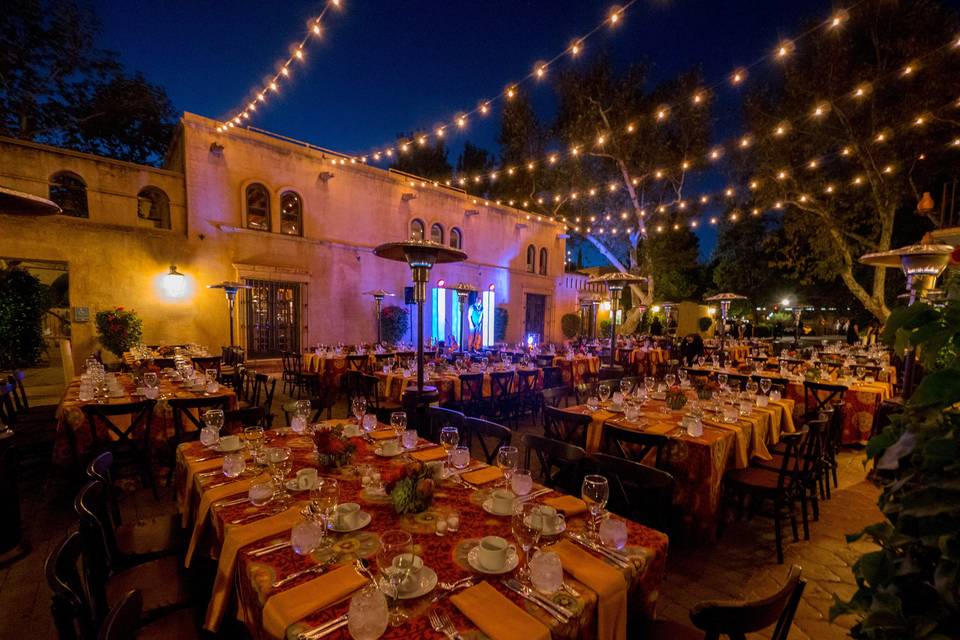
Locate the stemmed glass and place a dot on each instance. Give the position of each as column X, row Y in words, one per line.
column 280, row 466
column 525, row 530
column 395, row 559
column 765, row 384
column 603, row 390
column 861, row 371
column 649, row 383
column 508, row 457
column 670, row 379
column 398, row 420
column 752, row 387
column 449, row 438
column 324, row 497
column 595, row 491
column 625, row 386
column 254, row 438
column 359, row 407
column 722, row 381
column 212, row 423
column 682, row 376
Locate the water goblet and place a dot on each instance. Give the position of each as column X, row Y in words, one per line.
column 280, row 464
column 449, row 438
column 324, row 497
column 521, row 482
column 254, row 437
column 722, row 380
column 508, row 457
column 670, row 379
column 398, row 420
column 603, row 390
column 861, row 371
column 213, row 419
column 765, row 384
column 525, row 527
column 595, row 491
column 625, row 386
column 682, row 376
column 396, row 547
column 649, row 383
column 359, row 407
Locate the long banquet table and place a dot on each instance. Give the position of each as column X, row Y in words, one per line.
column 244, row 582
column 448, row 384
column 574, row 370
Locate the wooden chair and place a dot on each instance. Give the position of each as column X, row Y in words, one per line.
column 208, row 362
column 490, row 436
column 471, row 400
column 638, row 492
column 631, row 444
column 527, row 397
column 566, row 426
column 188, row 421
column 131, row 441
column 261, row 396
column 70, row 607
column 36, row 426
column 124, row 622
column 500, row 404
column 559, row 464
column 736, row 619
column 544, row 361
column 236, row 420
column 437, row 418
column 556, row 396
column 585, row 390
column 359, row 362
column 552, row 377
column 817, row 395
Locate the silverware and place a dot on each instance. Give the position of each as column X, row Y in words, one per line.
column 270, row 548
column 447, row 588
column 219, row 484
column 570, row 590
column 229, row 503
column 256, row 516
column 533, row 496
column 546, row 601
column 544, row 604
column 210, row 474
column 324, row 629
column 441, row 623
column 317, row 568
column 618, row 559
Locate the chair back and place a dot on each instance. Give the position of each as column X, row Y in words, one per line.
column 501, row 385
column 775, row 381
column 490, row 436
column 70, row 605
column 356, row 384
column 101, row 468
column 236, row 420
column 262, row 394
column 18, row 394
column 104, row 431
column 527, row 381
column 637, row 491
column 292, row 363
column 208, row 362
column 560, row 464
column 471, row 388
column 585, row 390
column 438, row 418
column 817, row 395
column 566, row 426
column 124, row 618
column 232, row 356
column 100, row 550
column 735, row 619
column 556, row 396
column 544, row 361
column 631, row 444
column 189, row 411
column 358, row 362
column 552, row 377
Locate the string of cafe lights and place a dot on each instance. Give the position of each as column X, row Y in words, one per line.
column 460, row 121
column 272, row 85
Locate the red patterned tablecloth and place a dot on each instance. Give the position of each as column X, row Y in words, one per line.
column 573, row 371
column 253, row 576
column 392, row 385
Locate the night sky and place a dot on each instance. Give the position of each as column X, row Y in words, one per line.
column 385, row 66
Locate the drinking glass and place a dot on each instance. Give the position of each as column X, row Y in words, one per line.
column 595, row 491
column 765, row 384
column 670, row 379
column 209, row 437
column 722, row 380
column 593, row 403
column 861, row 371
column 254, row 438
column 211, row 375
column 409, row 438
column 682, row 376
column 278, row 458
column 649, row 383
column 150, row 379
column 625, row 386
column 324, row 497
column 521, row 482
column 508, row 458
column 395, row 562
column 358, row 407
column 525, row 527
column 368, row 614
column 213, row 419
column 449, row 437
column 305, row 536
column 752, row 388
column 603, row 390
column 459, row 457
column 398, row 420
column 233, row 464
column 302, row 408
column 715, row 361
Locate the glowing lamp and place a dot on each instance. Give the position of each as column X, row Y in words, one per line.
column 174, row 283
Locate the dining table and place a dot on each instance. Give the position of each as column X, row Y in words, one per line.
column 697, row 463
column 394, row 382
column 576, row 369
column 73, row 438
column 258, row 581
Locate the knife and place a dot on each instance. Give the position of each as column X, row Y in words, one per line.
column 544, row 604
column 536, row 594
column 324, row 629
column 616, row 558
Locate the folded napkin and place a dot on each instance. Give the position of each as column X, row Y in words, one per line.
column 739, row 438
column 237, row 537
column 427, row 455
column 787, row 404
column 568, row 505
column 206, row 502
column 383, row 434
column 595, row 428
column 294, row 604
column 186, row 490
column 496, row 616
column 483, row 476
column 606, row 581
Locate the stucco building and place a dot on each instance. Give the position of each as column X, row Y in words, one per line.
column 297, row 221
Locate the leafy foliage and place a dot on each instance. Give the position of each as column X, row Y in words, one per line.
column 909, row 588
column 570, row 325
column 21, row 309
column 428, row 160
column 394, row 323
column 704, row 324
column 118, row 329
column 411, row 488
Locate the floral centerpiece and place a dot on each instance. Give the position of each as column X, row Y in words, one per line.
column 410, row 488
column 676, row 400
column 333, row 449
column 705, row 388
column 118, row 330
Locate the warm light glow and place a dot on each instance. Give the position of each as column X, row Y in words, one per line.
column 174, row 284
column 738, row 76
column 511, row 92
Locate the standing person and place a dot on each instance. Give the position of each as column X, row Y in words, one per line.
column 853, row 332
column 656, row 328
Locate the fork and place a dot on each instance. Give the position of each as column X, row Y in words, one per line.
column 447, row 627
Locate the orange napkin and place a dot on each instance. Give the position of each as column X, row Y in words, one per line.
column 739, row 438
column 206, row 502
column 496, row 616
column 383, row 434
column 607, row 582
column 292, row 605
column 186, row 491
column 595, row 428
column 483, row 476
column 427, row 455
column 568, row 505
column 237, row 537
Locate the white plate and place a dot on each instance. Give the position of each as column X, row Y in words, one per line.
column 218, row 448
column 364, row 520
column 428, row 581
column 473, row 559
column 292, row 485
column 379, row 452
column 488, row 507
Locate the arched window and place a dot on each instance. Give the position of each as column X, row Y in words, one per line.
column 154, row 205
column 543, row 261
column 291, row 214
column 417, row 230
column 258, row 207
column 70, row 192
column 436, row 233
column 531, row 259
column 456, row 238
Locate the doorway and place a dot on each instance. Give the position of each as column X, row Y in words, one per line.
column 533, row 324
column 273, row 318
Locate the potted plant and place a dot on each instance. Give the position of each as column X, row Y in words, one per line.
column 118, row 329
column 394, row 323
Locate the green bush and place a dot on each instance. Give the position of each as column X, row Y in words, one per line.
column 21, row 308
column 500, row 319
column 570, row 325
column 394, row 324
column 118, row 330
column 705, row 323
column 605, row 329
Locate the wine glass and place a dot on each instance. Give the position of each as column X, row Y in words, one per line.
column 395, row 547
column 625, row 386
column 752, row 387
column 278, row 459
column 595, row 491
column 765, row 384
column 213, row 419
column 670, row 379
column 398, row 420
column 682, row 376
column 603, row 390
column 861, row 371
column 508, row 457
column 359, row 407
column 449, row 438
column 254, row 438
column 722, row 380
column 524, row 525
column 324, row 497
column 649, row 383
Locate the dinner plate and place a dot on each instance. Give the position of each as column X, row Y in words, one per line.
column 473, row 559
column 292, row 485
column 488, row 507
column 428, row 581
column 363, row 519
column 218, row 448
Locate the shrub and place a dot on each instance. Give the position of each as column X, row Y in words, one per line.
column 500, row 319
column 570, row 325
column 118, row 330
column 21, row 308
column 394, row 323
column 705, row 323
column 605, row 329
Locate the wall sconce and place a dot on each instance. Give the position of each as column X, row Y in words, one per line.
column 407, row 197
column 711, row 311
column 216, row 149
column 471, row 212
column 325, row 176
column 174, row 283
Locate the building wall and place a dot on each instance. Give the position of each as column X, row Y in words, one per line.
column 117, row 259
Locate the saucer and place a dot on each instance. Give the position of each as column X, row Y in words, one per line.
column 473, row 559
column 219, row 448
column 379, row 452
column 550, row 532
column 488, row 507
column 428, row 581
column 292, row 485
column 363, row 519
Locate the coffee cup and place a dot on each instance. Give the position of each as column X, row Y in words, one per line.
column 306, row 479
column 493, row 553
column 414, row 565
column 350, row 430
column 347, row 515
column 229, row 443
column 550, row 521
column 390, row 447
column 503, row 501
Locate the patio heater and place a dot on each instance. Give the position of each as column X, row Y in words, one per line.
column 378, row 296
column 463, row 290
column 230, row 289
column 667, row 309
column 922, row 264
column 615, row 283
column 18, row 203
column 724, row 299
column 797, row 315
column 421, row 255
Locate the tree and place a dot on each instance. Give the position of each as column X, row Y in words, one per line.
column 427, row 159
column 745, row 258
column 674, row 262
column 56, row 87
column 843, row 159
column 474, row 159
column 21, row 309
